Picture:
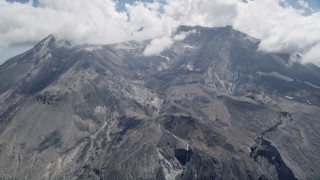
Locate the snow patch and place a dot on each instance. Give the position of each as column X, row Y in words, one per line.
column 189, row 47
column 312, row 85
column 289, row 97
column 189, row 67
column 92, row 48
column 308, row 101
column 100, row 110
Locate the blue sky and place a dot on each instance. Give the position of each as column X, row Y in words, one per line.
column 315, row 4
column 121, row 3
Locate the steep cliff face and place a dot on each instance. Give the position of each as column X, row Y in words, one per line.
column 211, row 107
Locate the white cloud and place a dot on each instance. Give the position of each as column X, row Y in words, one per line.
column 180, row 37
column 282, row 29
column 280, row 26
column 94, row 21
column 156, row 46
column 313, row 55
column 202, row 12
column 146, row 16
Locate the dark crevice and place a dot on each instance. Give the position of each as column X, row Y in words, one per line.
column 265, row 149
column 283, row 115
column 273, row 128
column 183, row 155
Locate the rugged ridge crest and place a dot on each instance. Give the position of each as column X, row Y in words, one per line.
column 210, row 107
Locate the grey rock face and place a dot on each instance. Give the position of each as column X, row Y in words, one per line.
column 210, row 107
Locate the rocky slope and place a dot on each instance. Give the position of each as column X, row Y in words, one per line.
column 210, row 107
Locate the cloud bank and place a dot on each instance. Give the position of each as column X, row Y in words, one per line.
column 157, row 45
column 281, row 27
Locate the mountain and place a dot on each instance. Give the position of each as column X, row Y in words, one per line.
column 210, row 107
